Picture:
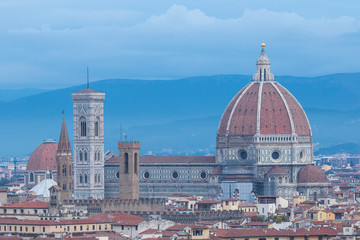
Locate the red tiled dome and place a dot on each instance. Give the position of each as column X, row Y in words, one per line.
column 44, row 157
column 277, row 171
column 279, row 113
column 311, row 174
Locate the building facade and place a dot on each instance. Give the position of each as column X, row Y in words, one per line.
column 88, row 111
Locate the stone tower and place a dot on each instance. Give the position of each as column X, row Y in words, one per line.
column 64, row 164
column 88, row 107
column 129, row 169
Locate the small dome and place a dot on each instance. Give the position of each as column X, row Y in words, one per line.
column 44, row 157
column 276, row 171
column 311, row 174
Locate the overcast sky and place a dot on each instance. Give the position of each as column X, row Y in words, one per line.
column 48, row 44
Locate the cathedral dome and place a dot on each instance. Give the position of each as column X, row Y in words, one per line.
column 311, row 174
column 44, row 157
column 263, row 107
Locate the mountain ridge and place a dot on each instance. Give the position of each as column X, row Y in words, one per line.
column 330, row 101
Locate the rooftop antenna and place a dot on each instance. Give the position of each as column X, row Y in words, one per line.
column 87, row 77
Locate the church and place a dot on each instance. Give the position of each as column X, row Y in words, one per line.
column 263, row 147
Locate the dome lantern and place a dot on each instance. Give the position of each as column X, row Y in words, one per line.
column 263, row 67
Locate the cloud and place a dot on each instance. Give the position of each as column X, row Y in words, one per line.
column 177, row 42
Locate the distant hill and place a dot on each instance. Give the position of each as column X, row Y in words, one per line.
column 179, row 116
column 7, row 95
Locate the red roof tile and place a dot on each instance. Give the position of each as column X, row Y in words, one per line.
column 44, row 157
column 27, row 205
column 177, row 159
column 252, row 232
column 240, row 116
column 311, row 174
column 277, row 170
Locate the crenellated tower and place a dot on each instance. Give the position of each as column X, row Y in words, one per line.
column 129, row 169
column 88, row 107
column 64, row 164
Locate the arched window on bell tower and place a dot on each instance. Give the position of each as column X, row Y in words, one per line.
column 135, row 163
column 126, row 155
column 97, row 122
column 82, row 127
column 64, row 186
column 64, row 170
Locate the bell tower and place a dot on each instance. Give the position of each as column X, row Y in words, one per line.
column 64, row 164
column 88, row 110
column 129, row 169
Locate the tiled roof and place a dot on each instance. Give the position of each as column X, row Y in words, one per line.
column 207, row 201
column 311, row 174
column 252, row 232
column 114, row 159
column 277, row 106
column 177, row 159
column 216, row 171
column 88, row 90
column 44, row 157
column 150, row 231
column 27, row 205
column 277, row 170
column 169, row 159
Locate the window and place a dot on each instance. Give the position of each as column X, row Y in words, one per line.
column 146, row 175
column 15, row 211
column 36, row 211
column 197, row 232
column 99, row 227
column 105, row 227
column 99, row 178
column 97, row 127
column 85, row 156
column 15, row 228
column 93, row 227
column 99, row 158
column 175, row 175
column 227, row 203
column 26, row 229
column 22, row 211
column 82, row 127
column 122, row 227
column 85, row 178
column 81, row 179
column 43, row 229
column 126, row 156
column 87, row 227
column 5, row 228
column 74, row 228
column 81, row 228
column 135, row 163
column 80, row 156
column 64, row 170
column 10, row 228
column 31, row 177
column 64, row 186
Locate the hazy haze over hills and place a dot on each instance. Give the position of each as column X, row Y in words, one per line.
column 178, row 116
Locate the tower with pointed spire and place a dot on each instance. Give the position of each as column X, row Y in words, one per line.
column 64, row 164
column 88, row 110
